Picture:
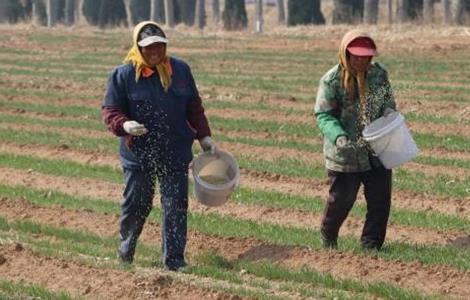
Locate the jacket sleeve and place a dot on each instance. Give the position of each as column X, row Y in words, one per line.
column 195, row 112
column 113, row 110
column 327, row 112
column 114, row 119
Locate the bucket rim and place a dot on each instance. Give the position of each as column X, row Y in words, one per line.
column 372, row 136
column 224, row 186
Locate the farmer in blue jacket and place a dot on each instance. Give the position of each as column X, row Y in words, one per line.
column 351, row 95
column 153, row 104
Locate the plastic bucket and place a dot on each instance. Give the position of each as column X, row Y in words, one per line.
column 215, row 177
column 391, row 140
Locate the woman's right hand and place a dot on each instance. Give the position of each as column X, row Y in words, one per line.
column 134, row 128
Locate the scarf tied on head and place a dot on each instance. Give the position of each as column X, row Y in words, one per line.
column 141, row 66
column 350, row 80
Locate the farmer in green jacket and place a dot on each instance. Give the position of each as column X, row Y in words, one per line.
column 351, row 95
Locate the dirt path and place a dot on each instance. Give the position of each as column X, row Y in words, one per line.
column 265, row 181
column 20, row 265
column 426, row 279
column 256, row 213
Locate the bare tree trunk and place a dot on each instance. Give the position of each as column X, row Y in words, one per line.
column 428, row 11
column 259, row 16
column 281, row 13
column 34, row 12
column 51, row 9
column 371, row 11
column 234, row 15
column 169, row 13
column 390, row 11
column 402, row 10
column 342, row 12
column 200, row 13
column 79, row 11
column 446, row 11
column 459, row 11
column 157, row 11
column 69, row 12
column 216, row 11
column 127, row 5
column 3, row 9
column 153, row 10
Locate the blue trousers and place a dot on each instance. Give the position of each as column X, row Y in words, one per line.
column 137, row 204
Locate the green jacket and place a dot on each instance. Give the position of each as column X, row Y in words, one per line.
column 338, row 115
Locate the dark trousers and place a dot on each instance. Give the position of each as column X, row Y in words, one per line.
column 137, row 204
column 342, row 195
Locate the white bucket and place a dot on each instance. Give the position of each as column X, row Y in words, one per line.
column 215, row 177
column 391, row 140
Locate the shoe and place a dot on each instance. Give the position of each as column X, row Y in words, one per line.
column 124, row 259
column 369, row 247
column 176, row 267
column 330, row 244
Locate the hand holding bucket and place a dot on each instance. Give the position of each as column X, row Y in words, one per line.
column 215, row 177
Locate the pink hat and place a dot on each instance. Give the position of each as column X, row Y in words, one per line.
column 362, row 46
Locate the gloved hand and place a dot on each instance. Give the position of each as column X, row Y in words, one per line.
column 134, row 128
column 345, row 148
column 387, row 111
column 207, row 144
column 341, row 141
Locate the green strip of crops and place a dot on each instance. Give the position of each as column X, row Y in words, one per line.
column 67, row 240
column 51, row 96
column 423, row 219
column 60, row 167
column 13, row 290
column 227, row 226
column 75, row 75
column 293, row 167
column 424, row 140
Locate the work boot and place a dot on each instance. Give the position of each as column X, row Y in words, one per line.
column 371, row 246
column 330, row 244
column 124, row 259
column 176, row 267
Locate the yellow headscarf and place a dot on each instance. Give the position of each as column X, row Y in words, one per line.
column 135, row 57
column 351, row 78
column 348, row 76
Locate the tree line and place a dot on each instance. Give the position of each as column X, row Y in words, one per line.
column 109, row 13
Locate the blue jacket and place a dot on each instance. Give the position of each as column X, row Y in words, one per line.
column 173, row 118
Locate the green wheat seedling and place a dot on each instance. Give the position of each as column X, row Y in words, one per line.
column 406, row 180
column 52, row 96
column 14, row 290
column 226, row 226
column 62, row 246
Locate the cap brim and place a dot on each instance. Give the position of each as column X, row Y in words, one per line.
column 361, row 51
column 151, row 40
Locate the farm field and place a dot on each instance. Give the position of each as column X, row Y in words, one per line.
column 61, row 183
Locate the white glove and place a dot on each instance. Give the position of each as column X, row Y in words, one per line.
column 341, row 141
column 207, row 144
column 134, row 128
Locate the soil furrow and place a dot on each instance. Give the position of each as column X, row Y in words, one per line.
column 426, row 279
column 273, row 153
column 21, row 265
column 256, row 213
column 261, row 180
